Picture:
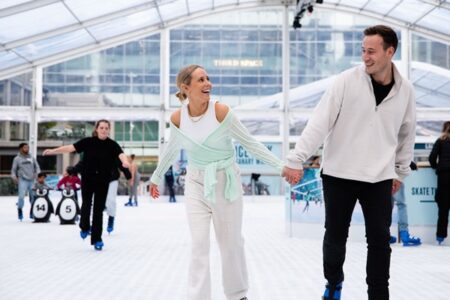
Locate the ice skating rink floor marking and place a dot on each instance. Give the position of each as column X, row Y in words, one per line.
column 146, row 258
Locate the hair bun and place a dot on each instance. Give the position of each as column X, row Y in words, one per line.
column 180, row 95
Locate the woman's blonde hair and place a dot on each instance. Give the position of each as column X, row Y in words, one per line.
column 446, row 131
column 185, row 76
column 94, row 131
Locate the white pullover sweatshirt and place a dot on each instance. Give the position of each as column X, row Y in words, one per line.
column 362, row 141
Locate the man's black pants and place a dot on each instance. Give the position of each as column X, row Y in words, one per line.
column 375, row 198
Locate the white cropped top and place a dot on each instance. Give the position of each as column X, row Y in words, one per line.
column 199, row 128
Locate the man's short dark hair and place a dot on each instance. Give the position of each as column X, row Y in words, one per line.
column 387, row 33
column 21, row 145
column 42, row 174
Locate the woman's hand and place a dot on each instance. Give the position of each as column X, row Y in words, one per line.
column 154, row 192
column 48, row 152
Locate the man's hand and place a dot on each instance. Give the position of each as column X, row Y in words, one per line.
column 292, row 176
column 396, row 186
column 15, row 179
column 154, row 192
column 126, row 165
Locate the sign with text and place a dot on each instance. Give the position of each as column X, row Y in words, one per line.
column 420, row 189
column 251, row 164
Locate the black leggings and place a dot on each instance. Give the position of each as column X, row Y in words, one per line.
column 98, row 190
column 443, row 201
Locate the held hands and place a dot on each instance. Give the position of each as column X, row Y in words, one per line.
column 126, row 165
column 292, row 176
column 154, row 192
column 396, row 186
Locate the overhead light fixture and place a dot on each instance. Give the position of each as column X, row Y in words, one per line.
column 302, row 7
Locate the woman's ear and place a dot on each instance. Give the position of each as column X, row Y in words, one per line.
column 184, row 88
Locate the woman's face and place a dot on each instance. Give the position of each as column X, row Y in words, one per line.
column 102, row 130
column 200, row 87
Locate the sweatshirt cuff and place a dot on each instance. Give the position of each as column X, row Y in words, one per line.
column 155, row 179
column 294, row 165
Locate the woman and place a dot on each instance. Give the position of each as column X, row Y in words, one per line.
column 204, row 128
column 99, row 159
column 440, row 160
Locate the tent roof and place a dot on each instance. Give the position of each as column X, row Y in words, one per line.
column 45, row 32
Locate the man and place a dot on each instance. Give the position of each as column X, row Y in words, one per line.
column 366, row 120
column 24, row 171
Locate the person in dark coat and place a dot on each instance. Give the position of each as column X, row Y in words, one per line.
column 440, row 161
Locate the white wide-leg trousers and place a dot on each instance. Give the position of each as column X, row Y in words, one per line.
column 227, row 220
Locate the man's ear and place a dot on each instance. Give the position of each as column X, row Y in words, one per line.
column 391, row 51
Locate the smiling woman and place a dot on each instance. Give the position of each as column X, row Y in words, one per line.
column 205, row 128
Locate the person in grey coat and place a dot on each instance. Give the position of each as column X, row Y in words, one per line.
column 23, row 172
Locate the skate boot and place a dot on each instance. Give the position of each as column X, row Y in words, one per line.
column 129, row 203
column 440, row 240
column 110, row 226
column 98, row 245
column 408, row 240
column 84, row 234
column 135, row 203
column 392, row 240
column 20, row 214
column 332, row 292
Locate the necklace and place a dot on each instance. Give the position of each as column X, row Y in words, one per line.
column 199, row 117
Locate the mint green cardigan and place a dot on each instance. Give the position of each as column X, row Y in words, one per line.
column 216, row 152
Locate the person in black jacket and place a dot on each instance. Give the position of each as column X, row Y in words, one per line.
column 100, row 154
column 440, row 160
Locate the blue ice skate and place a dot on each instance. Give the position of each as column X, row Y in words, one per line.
column 20, row 214
column 392, row 240
column 110, row 226
column 408, row 240
column 332, row 292
column 84, row 233
column 440, row 240
column 98, row 245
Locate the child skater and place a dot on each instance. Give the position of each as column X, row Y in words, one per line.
column 70, row 180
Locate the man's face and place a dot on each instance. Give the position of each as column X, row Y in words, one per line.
column 41, row 179
column 375, row 58
column 25, row 149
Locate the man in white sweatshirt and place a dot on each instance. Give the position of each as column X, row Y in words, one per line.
column 366, row 121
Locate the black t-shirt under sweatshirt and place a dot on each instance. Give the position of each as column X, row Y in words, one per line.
column 99, row 157
column 381, row 91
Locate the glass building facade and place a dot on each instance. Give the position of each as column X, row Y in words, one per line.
column 243, row 54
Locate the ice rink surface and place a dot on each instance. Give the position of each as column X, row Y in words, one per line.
column 146, row 257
